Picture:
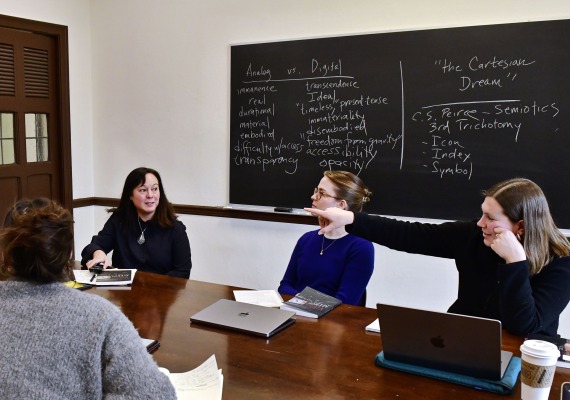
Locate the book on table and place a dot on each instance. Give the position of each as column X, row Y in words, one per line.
column 109, row 277
column 311, row 303
column 150, row 344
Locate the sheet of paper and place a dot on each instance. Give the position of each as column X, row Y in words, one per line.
column 204, row 382
column 199, row 376
column 212, row 391
column 374, row 326
column 266, row 298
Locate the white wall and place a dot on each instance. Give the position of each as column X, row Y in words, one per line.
column 150, row 86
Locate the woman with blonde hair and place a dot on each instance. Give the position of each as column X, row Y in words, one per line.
column 513, row 262
column 337, row 264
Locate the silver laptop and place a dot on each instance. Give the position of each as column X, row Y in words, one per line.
column 449, row 342
column 244, row 317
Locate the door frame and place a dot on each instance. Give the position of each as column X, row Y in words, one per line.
column 59, row 34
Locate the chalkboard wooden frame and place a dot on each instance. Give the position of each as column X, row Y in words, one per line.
column 427, row 118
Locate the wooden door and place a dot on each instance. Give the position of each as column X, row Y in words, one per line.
column 34, row 139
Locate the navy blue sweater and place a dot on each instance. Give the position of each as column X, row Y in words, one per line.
column 342, row 271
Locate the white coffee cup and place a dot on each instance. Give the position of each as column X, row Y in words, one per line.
column 538, row 366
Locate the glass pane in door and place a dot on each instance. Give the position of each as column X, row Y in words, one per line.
column 36, row 138
column 7, row 152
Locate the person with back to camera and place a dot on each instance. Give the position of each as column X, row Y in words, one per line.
column 337, row 263
column 17, row 209
column 57, row 342
column 143, row 231
column 21, row 206
column 513, row 263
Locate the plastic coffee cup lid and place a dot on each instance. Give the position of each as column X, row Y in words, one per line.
column 540, row 348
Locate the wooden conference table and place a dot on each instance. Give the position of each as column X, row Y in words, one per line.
column 329, row 358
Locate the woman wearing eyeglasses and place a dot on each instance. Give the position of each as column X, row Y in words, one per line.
column 513, row 263
column 338, row 264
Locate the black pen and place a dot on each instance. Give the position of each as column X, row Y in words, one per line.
column 93, row 277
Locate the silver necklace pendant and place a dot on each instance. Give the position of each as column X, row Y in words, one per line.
column 323, row 245
column 141, row 238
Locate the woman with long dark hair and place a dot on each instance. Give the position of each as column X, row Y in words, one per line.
column 143, row 231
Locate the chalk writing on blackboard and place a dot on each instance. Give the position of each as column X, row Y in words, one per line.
column 334, row 109
column 443, row 113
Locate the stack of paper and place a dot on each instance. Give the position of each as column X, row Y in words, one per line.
column 204, row 382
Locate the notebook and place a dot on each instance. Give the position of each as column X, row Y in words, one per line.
column 443, row 341
column 150, row 344
column 244, row 317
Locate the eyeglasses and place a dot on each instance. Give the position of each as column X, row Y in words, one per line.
column 318, row 193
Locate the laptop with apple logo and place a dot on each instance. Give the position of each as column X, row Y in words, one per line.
column 443, row 341
column 244, row 317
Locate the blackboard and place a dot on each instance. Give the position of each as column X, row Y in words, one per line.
column 427, row 118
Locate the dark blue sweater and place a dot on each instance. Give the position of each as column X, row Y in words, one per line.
column 343, row 271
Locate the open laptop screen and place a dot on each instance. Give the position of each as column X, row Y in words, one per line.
column 449, row 342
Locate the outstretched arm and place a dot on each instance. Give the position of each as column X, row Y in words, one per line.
column 332, row 218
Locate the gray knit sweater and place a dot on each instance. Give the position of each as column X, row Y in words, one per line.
column 60, row 343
